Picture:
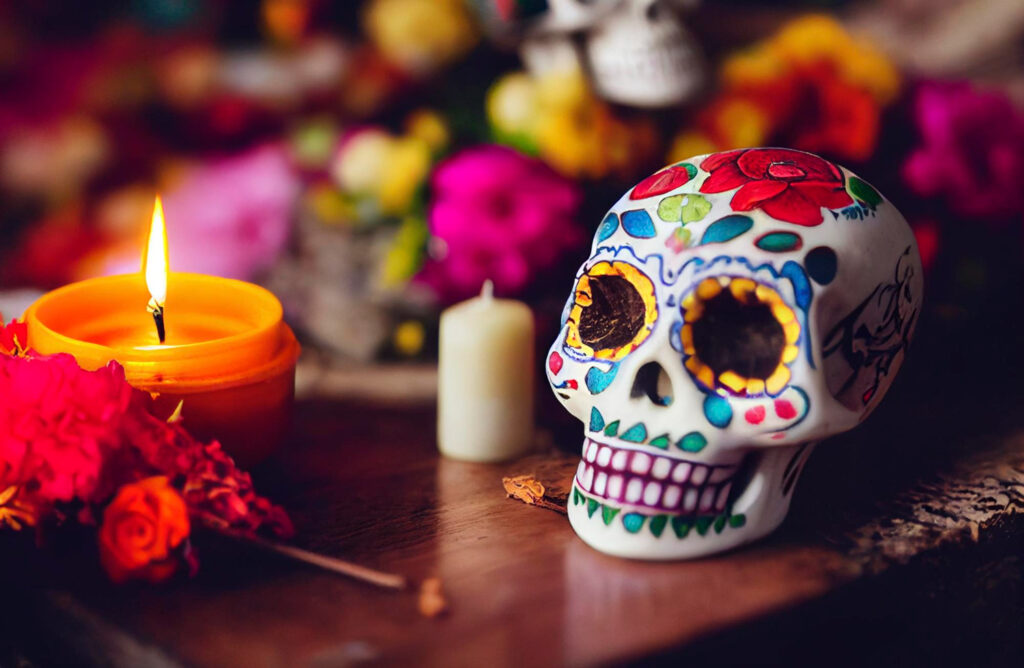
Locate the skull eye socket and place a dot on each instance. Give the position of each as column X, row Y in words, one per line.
column 739, row 336
column 614, row 311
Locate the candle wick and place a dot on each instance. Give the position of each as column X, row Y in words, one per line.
column 158, row 318
column 487, row 291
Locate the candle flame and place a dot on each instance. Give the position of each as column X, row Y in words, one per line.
column 154, row 265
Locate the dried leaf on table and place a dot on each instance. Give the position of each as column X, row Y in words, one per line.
column 530, row 491
column 432, row 602
column 524, row 487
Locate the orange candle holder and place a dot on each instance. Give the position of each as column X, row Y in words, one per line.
column 228, row 355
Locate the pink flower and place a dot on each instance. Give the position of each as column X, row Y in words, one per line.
column 498, row 215
column 58, row 424
column 232, row 217
column 70, row 434
column 972, row 151
column 229, row 217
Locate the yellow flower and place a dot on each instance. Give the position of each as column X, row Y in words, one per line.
column 408, row 337
column 753, row 66
column 557, row 117
column 385, row 168
column 808, row 40
column 563, row 89
column 513, row 104
column 363, row 159
column 688, row 144
column 420, row 35
column 407, row 168
column 405, row 256
column 819, row 37
column 429, row 126
column 741, row 123
column 874, row 72
column 579, row 136
column 577, row 142
column 329, row 205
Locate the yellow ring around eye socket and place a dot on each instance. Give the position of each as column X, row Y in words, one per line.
column 749, row 293
column 584, row 298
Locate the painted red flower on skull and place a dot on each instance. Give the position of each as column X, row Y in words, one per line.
column 787, row 185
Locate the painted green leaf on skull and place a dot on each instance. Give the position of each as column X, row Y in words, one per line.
column 683, row 208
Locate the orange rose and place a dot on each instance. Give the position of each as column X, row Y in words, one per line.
column 144, row 523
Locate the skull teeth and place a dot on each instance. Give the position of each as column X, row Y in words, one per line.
column 640, row 463
column 664, row 484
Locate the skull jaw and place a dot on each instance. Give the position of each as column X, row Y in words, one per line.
column 758, row 510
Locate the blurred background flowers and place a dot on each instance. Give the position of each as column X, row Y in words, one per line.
column 374, row 161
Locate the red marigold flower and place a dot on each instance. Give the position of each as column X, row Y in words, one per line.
column 834, row 116
column 142, row 526
column 787, row 185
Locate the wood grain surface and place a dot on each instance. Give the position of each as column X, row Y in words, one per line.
column 364, row 483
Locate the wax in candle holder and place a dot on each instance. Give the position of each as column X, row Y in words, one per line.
column 228, row 355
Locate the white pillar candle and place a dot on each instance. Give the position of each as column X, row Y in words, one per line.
column 485, row 379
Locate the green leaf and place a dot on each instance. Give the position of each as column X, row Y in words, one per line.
column 657, row 524
column 577, row 497
column 736, row 521
column 703, row 524
column 608, row 514
column 635, row 434
column 670, row 209
column 692, row 442
column 681, row 525
column 592, row 506
column 660, row 442
column 719, row 523
column 683, row 208
column 612, row 429
column 695, row 208
column 863, row 191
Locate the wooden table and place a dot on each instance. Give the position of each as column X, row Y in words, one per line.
column 903, row 544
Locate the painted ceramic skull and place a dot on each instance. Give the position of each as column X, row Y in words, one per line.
column 735, row 309
column 637, row 52
column 642, row 55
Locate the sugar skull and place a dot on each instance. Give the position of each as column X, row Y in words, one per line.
column 736, row 308
column 636, row 52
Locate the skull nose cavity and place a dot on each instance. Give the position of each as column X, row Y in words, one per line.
column 653, row 382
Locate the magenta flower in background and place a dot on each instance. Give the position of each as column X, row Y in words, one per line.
column 497, row 214
column 972, row 151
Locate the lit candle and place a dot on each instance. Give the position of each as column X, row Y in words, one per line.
column 485, row 379
column 155, row 267
column 227, row 355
